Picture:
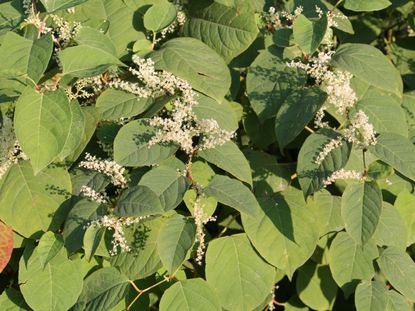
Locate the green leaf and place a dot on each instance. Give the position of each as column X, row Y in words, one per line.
column 76, row 130
column 168, row 184
column 42, row 123
column 12, row 300
column 55, row 287
column 391, row 230
column 269, row 83
column 114, row 104
column 57, row 5
column 176, row 237
column 315, row 286
column 94, row 54
column 102, row 290
column 37, row 197
column 399, row 269
column 159, row 16
column 309, row 34
column 11, row 15
column 361, row 209
column 366, row 6
column 241, row 278
column 138, row 201
column 233, row 193
column 208, row 108
column 370, row 65
column 371, row 296
column 6, row 245
column 397, row 151
column 312, row 175
column 350, row 261
column 143, row 260
column 296, row 112
column 23, row 57
column 82, row 212
column 49, row 246
column 223, row 28
column 131, row 145
column 92, row 238
column 188, row 295
column 286, row 223
column 229, row 158
column 397, row 302
column 404, row 204
column 186, row 58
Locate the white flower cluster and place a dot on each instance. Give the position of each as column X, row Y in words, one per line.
column 200, row 220
column 86, row 88
column 182, row 125
column 111, row 222
column 181, row 18
column 343, row 174
column 27, row 7
column 360, row 131
column 280, row 19
column 110, row 168
column 93, row 195
column 329, row 147
column 64, row 31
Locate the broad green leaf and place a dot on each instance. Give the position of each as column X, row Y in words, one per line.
column 379, row 170
column 233, row 193
column 36, row 197
column 175, row 238
column 186, row 58
column 159, row 16
column 268, row 175
column 189, row 295
column 244, row 5
column 312, row 175
column 49, row 246
column 76, row 130
column 327, row 208
column 82, row 212
column 208, row 204
column 138, row 201
column 397, row 151
column 296, row 112
column 361, row 210
column 269, row 82
column 6, row 244
column 391, row 230
column 384, row 112
column 399, row 269
column 94, row 54
column 144, row 259
column 286, row 223
column 84, row 177
column 23, row 57
column 120, row 18
column 397, row 302
column 208, row 108
column 42, row 123
column 315, row 286
column 11, row 15
column 131, row 145
column 55, row 287
column 114, row 104
column 371, row 296
column 309, row 34
column 405, row 203
column 168, row 184
column 369, row 64
column 12, row 300
column 224, row 29
column 366, row 6
column 350, row 262
column 92, row 238
column 102, row 290
column 57, row 5
column 229, row 158
column 295, row 304
column 241, row 278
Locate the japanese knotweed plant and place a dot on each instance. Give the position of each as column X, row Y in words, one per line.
column 207, row 155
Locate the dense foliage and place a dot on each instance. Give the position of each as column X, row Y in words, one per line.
column 207, row 155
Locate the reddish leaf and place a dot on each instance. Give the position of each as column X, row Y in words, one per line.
column 6, row 244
